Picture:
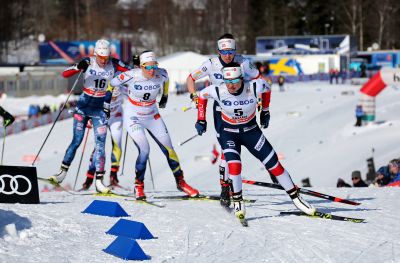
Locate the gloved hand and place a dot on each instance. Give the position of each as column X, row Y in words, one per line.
column 264, row 119
column 83, row 65
column 89, row 124
column 8, row 119
column 106, row 109
column 163, row 101
column 201, row 127
column 194, row 98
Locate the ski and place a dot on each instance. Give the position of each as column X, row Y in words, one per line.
column 112, row 194
column 325, row 216
column 304, row 191
column 146, row 202
column 45, row 180
column 241, row 218
column 199, row 197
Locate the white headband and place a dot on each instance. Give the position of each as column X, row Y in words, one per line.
column 232, row 72
column 226, row 43
column 147, row 57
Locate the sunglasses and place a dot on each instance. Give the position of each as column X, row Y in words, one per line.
column 232, row 81
column 355, row 178
column 150, row 67
column 227, row 52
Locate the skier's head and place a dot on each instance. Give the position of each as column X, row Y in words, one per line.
column 233, row 77
column 148, row 63
column 226, row 47
column 102, row 52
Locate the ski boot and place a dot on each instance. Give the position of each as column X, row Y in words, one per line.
column 225, row 198
column 139, row 190
column 113, row 176
column 100, row 187
column 299, row 202
column 238, row 205
column 89, row 180
column 60, row 176
column 184, row 187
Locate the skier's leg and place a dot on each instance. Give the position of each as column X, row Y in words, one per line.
column 100, row 135
column 136, row 132
column 79, row 126
column 116, row 135
column 260, row 147
column 232, row 148
column 158, row 131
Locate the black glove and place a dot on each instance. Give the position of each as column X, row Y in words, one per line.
column 201, row 127
column 264, row 119
column 135, row 61
column 8, row 119
column 194, row 98
column 106, row 109
column 163, row 101
column 83, row 65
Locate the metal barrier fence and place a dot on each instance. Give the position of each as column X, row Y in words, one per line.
column 31, row 83
column 23, row 125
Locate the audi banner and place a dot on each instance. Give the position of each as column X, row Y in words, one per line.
column 18, row 184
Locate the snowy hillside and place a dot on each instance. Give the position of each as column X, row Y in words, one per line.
column 311, row 127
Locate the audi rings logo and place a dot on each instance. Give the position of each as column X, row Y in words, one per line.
column 14, row 184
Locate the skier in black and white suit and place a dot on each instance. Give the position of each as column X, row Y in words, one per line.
column 238, row 102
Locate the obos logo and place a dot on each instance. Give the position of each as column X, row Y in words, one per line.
column 149, row 87
column 227, row 103
column 237, row 103
column 101, row 73
column 217, row 76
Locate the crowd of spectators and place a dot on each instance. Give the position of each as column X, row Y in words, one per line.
column 387, row 175
column 35, row 110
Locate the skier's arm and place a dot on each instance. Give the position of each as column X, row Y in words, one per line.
column 72, row 70
column 119, row 65
column 199, row 73
column 164, row 98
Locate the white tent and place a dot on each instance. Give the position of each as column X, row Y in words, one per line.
column 179, row 65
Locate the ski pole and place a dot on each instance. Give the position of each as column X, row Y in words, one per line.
column 58, row 116
column 303, row 191
column 4, row 145
column 188, row 140
column 185, row 109
column 151, row 173
column 80, row 161
column 123, row 162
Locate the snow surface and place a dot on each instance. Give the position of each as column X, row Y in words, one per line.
column 311, row 127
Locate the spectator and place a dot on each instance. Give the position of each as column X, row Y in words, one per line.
column 382, row 176
column 45, row 109
column 359, row 115
column 281, row 82
column 343, row 75
column 363, row 69
column 342, row 183
column 356, row 179
column 331, row 75
column 336, row 75
column 266, row 68
column 394, row 171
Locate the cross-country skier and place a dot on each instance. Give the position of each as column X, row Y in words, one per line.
column 98, row 71
column 213, row 69
column 141, row 112
column 238, row 102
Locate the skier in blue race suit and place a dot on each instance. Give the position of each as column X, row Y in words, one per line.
column 97, row 72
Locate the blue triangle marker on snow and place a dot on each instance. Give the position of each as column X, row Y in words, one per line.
column 105, row 208
column 131, row 229
column 127, row 249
